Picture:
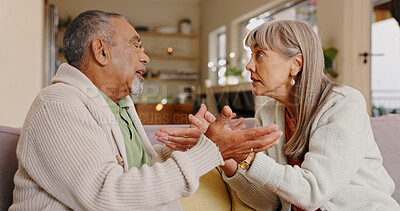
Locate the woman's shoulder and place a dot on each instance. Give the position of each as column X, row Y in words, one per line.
column 346, row 91
column 346, row 99
column 343, row 93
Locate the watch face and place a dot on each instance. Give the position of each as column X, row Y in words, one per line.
column 244, row 165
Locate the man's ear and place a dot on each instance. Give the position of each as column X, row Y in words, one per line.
column 297, row 64
column 101, row 51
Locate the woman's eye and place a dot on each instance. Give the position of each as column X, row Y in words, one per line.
column 259, row 54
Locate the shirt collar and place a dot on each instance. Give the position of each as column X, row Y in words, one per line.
column 113, row 106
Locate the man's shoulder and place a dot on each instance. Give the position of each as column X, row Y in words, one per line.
column 61, row 93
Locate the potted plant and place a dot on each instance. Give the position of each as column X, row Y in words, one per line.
column 233, row 75
column 233, row 71
column 329, row 56
column 185, row 26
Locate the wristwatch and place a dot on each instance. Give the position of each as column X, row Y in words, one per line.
column 246, row 163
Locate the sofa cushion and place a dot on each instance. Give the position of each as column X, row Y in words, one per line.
column 387, row 135
column 212, row 194
column 8, row 164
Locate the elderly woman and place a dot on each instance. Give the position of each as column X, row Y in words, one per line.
column 327, row 158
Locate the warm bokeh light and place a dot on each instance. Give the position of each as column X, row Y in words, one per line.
column 170, row 50
column 159, row 107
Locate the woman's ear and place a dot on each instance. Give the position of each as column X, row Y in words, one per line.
column 297, row 64
column 100, row 51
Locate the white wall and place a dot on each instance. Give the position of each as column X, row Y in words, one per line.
column 21, row 58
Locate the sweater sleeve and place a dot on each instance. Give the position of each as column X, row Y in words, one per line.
column 334, row 156
column 163, row 152
column 67, row 153
column 249, row 191
column 252, row 193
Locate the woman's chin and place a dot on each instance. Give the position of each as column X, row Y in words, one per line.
column 261, row 92
column 256, row 92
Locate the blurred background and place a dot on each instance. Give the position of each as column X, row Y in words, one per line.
column 196, row 50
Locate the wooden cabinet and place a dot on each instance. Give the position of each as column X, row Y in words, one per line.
column 170, row 113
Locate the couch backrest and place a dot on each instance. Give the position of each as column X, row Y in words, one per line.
column 8, row 164
column 386, row 131
column 387, row 136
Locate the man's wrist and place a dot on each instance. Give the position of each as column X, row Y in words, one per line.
column 230, row 168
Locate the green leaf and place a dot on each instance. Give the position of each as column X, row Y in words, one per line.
column 329, row 56
column 330, row 53
column 233, row 71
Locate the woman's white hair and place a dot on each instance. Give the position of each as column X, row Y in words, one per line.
column 290, row 38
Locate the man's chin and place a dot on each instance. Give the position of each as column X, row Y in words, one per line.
column 137, row 86
column 137, row 90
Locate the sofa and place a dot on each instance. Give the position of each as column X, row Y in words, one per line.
column 213, row 193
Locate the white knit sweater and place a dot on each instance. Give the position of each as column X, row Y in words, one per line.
column 67, row 156
column 341, row 171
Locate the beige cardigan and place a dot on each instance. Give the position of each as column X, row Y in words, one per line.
column 67, row 156
column 341, row 171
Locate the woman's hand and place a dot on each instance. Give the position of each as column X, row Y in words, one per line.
column 237, row 144
column 203, row 118
column 185, row 138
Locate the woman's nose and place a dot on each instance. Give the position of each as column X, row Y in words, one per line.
column 250, row 66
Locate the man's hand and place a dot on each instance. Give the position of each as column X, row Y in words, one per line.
column 185, row 138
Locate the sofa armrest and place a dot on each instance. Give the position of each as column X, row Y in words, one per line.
column 8, row 164
column 386, row 131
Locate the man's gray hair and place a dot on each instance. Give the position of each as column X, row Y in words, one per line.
column 83, row 29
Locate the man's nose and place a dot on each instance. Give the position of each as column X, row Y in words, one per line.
column 144, row 58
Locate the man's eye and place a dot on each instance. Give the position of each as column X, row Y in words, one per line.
column 139, row 46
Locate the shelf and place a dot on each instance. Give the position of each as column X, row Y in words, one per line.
column 155, row 56
column 156, row 34
column 170, row 79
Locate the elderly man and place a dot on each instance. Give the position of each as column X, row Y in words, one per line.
column 82, row 146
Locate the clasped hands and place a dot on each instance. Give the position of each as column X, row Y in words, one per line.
column 233, row 142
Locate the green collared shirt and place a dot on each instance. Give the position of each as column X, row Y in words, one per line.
column 135, row 151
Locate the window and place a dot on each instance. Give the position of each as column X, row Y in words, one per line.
column 217, row 56
column 303, row 10
column 221, row 64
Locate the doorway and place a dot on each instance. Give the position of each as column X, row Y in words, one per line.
column 385, row 65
